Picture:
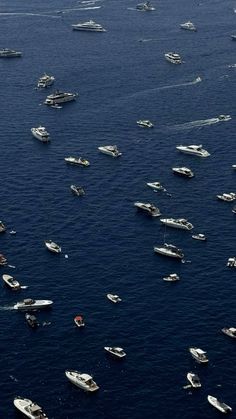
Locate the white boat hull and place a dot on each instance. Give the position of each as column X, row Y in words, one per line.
column 39, row 304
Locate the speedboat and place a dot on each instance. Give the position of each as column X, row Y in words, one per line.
column 199, row 355
column 199, row 236
column 171, row 278
column 111, row 150
column 194, row 380
column 233, row 166
column 224, row 117
column 156, row 186
column 177, row 223
column 2, row 227
column 231, row 263
column 60, row 97
column 234, row 209
column 228, row 197
column 9, row 53
column 233, row 37
column 145, row 123
column 79, row 321
column 52, row 246
column 30, row 304
column 173, row 58
column 31, row 320
column 222, row 407
column 30, row 409
column 90, row 26
column 77, row 161
column 41, row 134
column 118, row 352
column 11, row 282
column 45, row 80
column 188, row 26
column 84, row 381
column 145, row 7
column 3, row 260
column 114, row 298
column 183, row 171
column 169, row 250
column 196, row 150
column 149, row 208
column 229, row 331
column 77, row 190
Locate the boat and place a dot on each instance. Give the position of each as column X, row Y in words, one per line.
column 30, row 409
column 77, row 161
column 30, row 304
column 231, row 263
column 52, row 246
column 2, row 227
column 90, row 26
column 79, row 321
column 116, row 351
column 199, row 236
column 171, row 278
column 13, row 232
column 228, row 197
column 196, row 150
column 233, row 37
column 222, row 407
column 194, row 380
column 181, row 223
column 114, row 298
column 199, row 354
column 145, row 7
column 11, row 282
column 156, row 186
column 31, row 320
column 3, row 260
column 45, row 80
column 111, row 150
column 234, row 209
column 183, row 171
column 188, row 26
column 9, row 53
column 233, row 166
column 148, row 208
column 145, row 123
column 41, row 134
column 84, row 381
column 59, row 97
column 173, row 57
column 229, row 331
column 77, row 190
column 169, row 250
column 224, row 117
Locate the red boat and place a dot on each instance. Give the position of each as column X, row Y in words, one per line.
column 79, row 321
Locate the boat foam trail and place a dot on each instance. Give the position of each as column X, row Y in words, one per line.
column 195, row 124
column 170, row 86
column 28, row 14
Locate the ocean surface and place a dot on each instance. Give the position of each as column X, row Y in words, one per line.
column 121, row 76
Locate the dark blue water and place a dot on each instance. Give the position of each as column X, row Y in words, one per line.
column 109, row 245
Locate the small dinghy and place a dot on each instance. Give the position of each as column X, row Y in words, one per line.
column 222, row 407
column 171, row 278
column 79, row 321
column 11, row 282
column 114, row 298
column 31, row 320
column 77, row 190
column 194, row 380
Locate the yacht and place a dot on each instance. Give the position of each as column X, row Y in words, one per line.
column 145, row 123
column 149, row 208
column 84, row 381
column 11, row 282
column 41, row 134
column 111, row 150
column 177, row 223
column 30, row 409
column 229, row 331
column 9, row 53
column 224, row 117
column 156, row 186
column 171, row 278
column 118, row 352
column 31, row 320
column 228, row 197
column 52, row 246
column 197, row 150
column 2, row 227
column 114, row 298
column 90, row 26
column 199, row 236
column 194, row 380
column 145, row 7
column 77, row 190
column 231, row 263
column 169, row 250
column 45, row 80
column 59, row 97
column 173, row 58
column 183, row 171
column 30, row 304
column 77, row 161
column 3, row 260
column 199, row 355
column 222, row 407
column 189, row 26
column 79, row 321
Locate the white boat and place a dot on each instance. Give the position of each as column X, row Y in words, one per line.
column 149, row 208
column 180, row 223
column 231, row 262
column 173, row 57
column 9, row 53
column 199, row 236
column 189, row 26
column 116, row 351
column 77, row 161
column 59, row 97
column 110, row 150
column 52, row 246
column 84, row 381
column 90, row 26
column 145, row 123
column 228, row 197
column 194, row 380
column 30, row 409
column 30, row 304
column 196, row 150
column 114, row 298
column 224, row 117
column 45, row 80
column 234, row 209
column 222, row 407
column 233, row 166
column 77, row 190
column 2, row 227
column 79, row 321
column 169, row 250
column 183, row 171
column 199, row 354
column 3, row 260
column 145, row 7
column 171, row 278
column 41, row 134
column 229, row 331
column 11, row 282
column 156, row 186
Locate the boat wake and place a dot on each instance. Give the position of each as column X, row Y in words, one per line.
column 24, row 287
column 28, row 14
column 6, row 308
column 195, row 124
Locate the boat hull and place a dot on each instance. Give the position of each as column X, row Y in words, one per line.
column 39, row 304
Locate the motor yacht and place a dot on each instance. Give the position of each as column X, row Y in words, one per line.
column 114, row 298
column 145, row 7
column 196, row 150
column 9, row 53
column 183, row 171
column 30, row 304
column 52, row 246
column 59, row 97
column 77, row 161
column 199, row 236
column 77, row 190
column 90, row 26
column 3, row 260
column 118, row 352
column 224, row 117
column 145, row 123
column 84, row 381
column 171, row 278
column 46, row 80
column 222, row 407
column 169, row 250
column 30, row 409
column 199, row 355
column 79, row 321
column 189, row 26
column 110, row 150
column 228, row 197
column 173, row 58
column 2, row 227
column 194, row 380
column 31, row 320
column 11, row 282
column 41, row 134
column 229, row 331
column 148, row 208
column 231, row 263
column 181, row 223
column 156, row 186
